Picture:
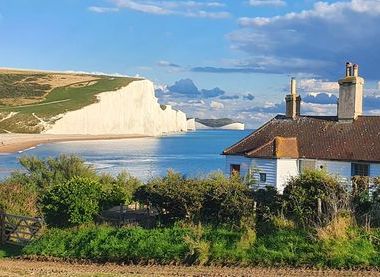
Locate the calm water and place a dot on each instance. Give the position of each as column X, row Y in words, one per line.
column 192, row 154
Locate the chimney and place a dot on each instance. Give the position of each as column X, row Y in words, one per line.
column 293, row 101
column 350, row 104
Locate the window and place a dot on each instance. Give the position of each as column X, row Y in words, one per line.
column 263, row 177
column 235, row 169
column 358, row 169
column 306, row 164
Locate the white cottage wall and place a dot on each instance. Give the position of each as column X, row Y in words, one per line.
column 342, row 169
column 286, row 168
column 265, row 166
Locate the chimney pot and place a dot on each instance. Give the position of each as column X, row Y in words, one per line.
column 356, row 70
column 348, row 69
column 293, row 86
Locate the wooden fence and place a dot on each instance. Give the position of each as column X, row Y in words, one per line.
column 18, row 230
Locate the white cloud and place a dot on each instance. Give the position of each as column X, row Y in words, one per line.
column 321, row 39
column 145, row 7
column 317, row 86
column 97, row 9
column 256, row 3
column 181, row 8
column 216, row 105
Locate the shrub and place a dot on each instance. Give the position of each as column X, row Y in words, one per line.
column 52, row 171
column 173, row 196
column 71, row 203
column 214, row 199
column 18, row 199
column 227, row 201
column 117, row 190
column 302, row 193
column 269, row 203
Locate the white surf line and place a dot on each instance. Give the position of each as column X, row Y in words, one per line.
column 35, row 105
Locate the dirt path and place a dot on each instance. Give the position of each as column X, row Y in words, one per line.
column 34, row 268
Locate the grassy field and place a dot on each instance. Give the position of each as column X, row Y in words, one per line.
column 29, row 98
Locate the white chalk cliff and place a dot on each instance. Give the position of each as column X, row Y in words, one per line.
column 191, row 124
column 232, row 126
column 133, row 109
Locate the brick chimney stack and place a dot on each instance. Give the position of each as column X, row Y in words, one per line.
column 350, row 104
column 293, row 101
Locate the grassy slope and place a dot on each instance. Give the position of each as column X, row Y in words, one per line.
column 215, row 123
column 59, row 100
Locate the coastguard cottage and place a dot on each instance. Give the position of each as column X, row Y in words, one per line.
column 347, row 144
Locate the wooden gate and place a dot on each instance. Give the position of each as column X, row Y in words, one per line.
column 17, row 229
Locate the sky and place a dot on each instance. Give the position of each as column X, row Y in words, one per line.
column 210, row 59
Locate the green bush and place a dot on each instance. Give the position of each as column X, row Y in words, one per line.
column 42, row 174
column 302, row 193
column 173, row 196
column 226, row 201
column 71, row 203
column 117, row 190
column 214, row 199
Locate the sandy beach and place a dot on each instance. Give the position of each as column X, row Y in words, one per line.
column 10, row 143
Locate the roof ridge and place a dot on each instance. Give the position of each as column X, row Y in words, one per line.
column 259, row 148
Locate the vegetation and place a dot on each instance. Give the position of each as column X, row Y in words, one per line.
column 18, row 199
column 206, row 246
column 214, row 199
column 214, row 220
column 64, row 190
column 314, row 198
column 26, row 118
column 215, row 123
column 22, row 85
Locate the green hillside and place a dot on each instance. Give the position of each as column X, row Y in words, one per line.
column 27, row 98
column 215, row 123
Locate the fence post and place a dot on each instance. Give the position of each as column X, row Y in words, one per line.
column 319, row 206
column 2, row 227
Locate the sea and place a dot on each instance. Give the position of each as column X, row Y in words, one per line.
column 192, row 154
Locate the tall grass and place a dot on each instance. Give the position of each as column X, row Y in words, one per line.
column 206, row 245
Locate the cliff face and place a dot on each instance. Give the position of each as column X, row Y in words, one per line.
column 133, row 109
column 232, row 126
column 191, row 124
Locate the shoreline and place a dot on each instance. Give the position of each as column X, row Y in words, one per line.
column 12, row 143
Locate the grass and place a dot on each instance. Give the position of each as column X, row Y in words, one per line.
column 206, row 246
column 58, row 101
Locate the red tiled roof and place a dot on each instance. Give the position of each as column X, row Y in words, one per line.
column 317, row 137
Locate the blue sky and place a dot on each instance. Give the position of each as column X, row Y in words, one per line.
column 246, row 48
